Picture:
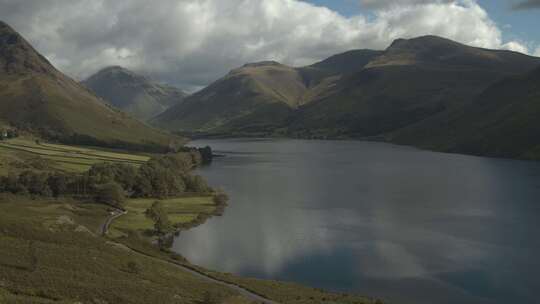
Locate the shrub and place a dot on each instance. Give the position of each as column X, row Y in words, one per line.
column 196, row 183
column 122, row 174
column 158, row 214
column 221, row 198
column 111, row 194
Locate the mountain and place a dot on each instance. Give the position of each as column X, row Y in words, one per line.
column 412, row 80
column 501, row 122
column 133, row 93
column 37, row 97
column 359, row 94
column 258, row 97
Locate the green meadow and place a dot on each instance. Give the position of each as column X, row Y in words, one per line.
column 181, row 211
column 25, row 153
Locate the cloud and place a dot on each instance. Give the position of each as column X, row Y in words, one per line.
column 537, row 52
column 193, row 42
column 515, row 46
column 382, row 4
column 524, row 5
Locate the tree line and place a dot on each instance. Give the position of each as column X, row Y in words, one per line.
column 110, row 183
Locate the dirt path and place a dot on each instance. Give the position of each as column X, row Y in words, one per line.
column 241, row 290
column 114, row 215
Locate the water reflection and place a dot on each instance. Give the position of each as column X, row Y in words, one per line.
column 409, row 225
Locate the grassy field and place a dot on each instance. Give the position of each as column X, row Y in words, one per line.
column 50, row 252
column 182, row 210
column 22, row 153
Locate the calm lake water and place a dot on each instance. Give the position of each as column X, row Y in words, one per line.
column 393, row 222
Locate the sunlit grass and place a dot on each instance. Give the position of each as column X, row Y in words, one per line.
column 61, row 157
column 179, row 210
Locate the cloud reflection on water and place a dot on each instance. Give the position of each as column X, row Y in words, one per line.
column 371, row 218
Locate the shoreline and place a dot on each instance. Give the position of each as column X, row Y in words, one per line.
column 374, row 139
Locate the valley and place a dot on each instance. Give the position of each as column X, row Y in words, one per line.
column 173, row 152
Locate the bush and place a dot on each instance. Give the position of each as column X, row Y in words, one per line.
column 111, row 194
column 206, row 154
column 122, row 174
column 165, row 176
column 197, row 184
column 221, row 198
column 58, row 183
column 158, row 214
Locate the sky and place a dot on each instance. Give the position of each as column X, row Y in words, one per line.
column 191, row 43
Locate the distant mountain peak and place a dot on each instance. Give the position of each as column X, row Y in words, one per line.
column 262, row 63
column 119, row 71
column 114, row 68
column 422, row 43
column 36, row 96
column 132, row 92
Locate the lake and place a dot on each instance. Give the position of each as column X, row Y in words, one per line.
column 393, row 222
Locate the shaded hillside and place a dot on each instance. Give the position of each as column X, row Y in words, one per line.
column 411, row 81
column 359, row 94
column 501, row 122
column 259, row 97
column 133, row 93
column 37, row 97
column 256, row 96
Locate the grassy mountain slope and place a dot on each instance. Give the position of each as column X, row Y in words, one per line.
column 36, row 96
column 501, row 122
column 255, row 96
column 411, row 81
column 259, row 97
column 361, row 93
column 133, row 93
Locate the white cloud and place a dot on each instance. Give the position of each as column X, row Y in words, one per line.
column 382, row 4
column 193, row 42
column 515, row 46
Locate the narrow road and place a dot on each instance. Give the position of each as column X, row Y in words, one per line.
column 113, row 215
column 241, row 290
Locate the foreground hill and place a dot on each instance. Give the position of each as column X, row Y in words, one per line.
column 133, row 93
column 357, row 94
column 37, row 97
column 501, row 122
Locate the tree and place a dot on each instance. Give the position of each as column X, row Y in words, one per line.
column 58, row 183
column 111, row 194
column 38, row 184
column 197, row 184
column 206, row 154
column 114, row 172
column 158, row 214
column 12, row 133
column 221, row 198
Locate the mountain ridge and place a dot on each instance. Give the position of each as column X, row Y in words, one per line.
column 358, row 94
column 132, row 92
column 35, row 96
